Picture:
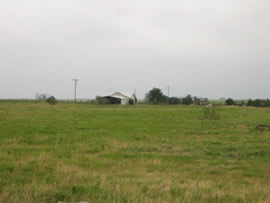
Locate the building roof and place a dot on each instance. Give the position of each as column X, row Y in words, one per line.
column 120, row 95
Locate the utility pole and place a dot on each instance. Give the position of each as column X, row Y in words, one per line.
column 75, row 88
column 135, row 93
column 168, row 93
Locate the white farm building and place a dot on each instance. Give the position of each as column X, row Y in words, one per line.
column 121, row 98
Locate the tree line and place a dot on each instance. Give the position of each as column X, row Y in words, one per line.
column 250, row 102
column 156, row 96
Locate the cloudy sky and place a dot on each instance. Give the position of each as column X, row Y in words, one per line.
column 211, row 48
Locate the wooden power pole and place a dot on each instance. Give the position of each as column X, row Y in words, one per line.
column 75, row 89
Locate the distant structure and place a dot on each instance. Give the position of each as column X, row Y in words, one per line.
column 200, row 101
column 121, row 98
column 75, row 89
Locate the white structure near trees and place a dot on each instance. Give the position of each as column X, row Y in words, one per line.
column 121, row 98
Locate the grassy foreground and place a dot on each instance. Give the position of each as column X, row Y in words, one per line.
column 83, row 152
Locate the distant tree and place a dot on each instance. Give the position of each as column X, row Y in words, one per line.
column 267, row 103
column 51, row 100
column 155, row 96
column 165, row 99
column 41, row 97
column 259, row 102
column 174, row 100
column 187, row 100
column 240, row 103
column 250, row 102
column 229, row 102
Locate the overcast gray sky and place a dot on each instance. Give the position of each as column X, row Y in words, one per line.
column 211, row 48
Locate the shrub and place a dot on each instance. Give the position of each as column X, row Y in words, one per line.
column 212, row 113
column 131, row 102
column 230, row 102
column 51, row 100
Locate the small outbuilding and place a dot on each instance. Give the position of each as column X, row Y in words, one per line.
column 121, row 98
column 200, row 101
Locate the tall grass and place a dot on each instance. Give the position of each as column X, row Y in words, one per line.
column 211, row 112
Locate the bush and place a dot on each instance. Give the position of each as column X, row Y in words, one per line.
column 212, row 113
column 131, row 102
column 51, row 100
column 230, row 102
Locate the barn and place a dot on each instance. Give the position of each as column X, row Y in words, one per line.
column 121, row 98
column 200, row 101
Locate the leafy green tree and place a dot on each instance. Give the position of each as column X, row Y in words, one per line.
column 267, row 104
column 240, row 103
column 174, row 100
column 156, row 96
column 259, row 103
column 229, row 102
column 250, row 102
column 165, row 99
column 187, row 100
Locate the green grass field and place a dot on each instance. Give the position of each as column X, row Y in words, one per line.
column 83, row 152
